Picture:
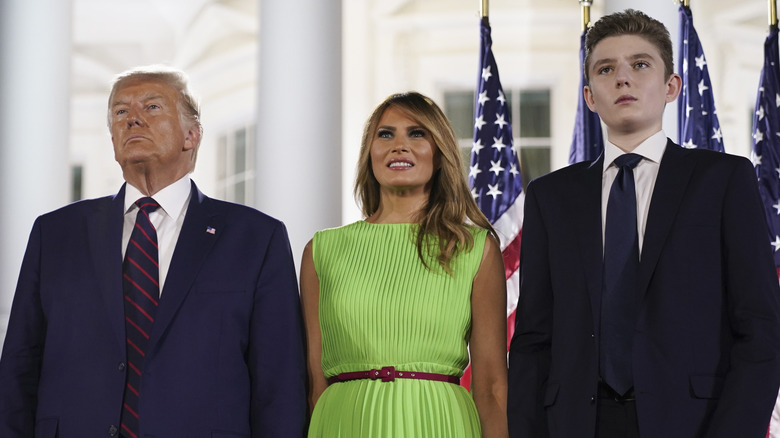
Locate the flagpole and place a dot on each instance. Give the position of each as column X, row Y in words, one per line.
column 686, row 3
column 485, row 7
column 585, row 13
column 772, row 13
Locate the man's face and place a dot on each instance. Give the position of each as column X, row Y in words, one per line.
column 628, row 87
column 148, row 131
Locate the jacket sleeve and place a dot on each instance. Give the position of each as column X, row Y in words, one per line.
column 529, row 356
column 276, row 356
column 20, row 363
column 753, row 299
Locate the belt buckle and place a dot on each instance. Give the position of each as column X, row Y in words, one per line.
column 387, row 374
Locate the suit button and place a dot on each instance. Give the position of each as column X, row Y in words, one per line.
column 121, row 366
column 112, row 430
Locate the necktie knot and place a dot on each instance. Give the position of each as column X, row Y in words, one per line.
column 147, row 204
column 628, row 160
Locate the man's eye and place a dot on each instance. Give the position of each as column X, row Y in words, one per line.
column 119, row 112
column 154, row 106
column 641, row 64
column 605, row 70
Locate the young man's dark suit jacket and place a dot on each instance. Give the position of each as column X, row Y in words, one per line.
column 706, row 344
column 225, row 356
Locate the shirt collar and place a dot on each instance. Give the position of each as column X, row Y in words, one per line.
column 171, row 198
column 651, row 149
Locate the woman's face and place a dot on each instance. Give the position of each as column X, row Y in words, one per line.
column 403, row 155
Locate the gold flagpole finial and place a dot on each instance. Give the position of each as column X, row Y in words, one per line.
column 485, row 7
column 686, row 3
column 773, row 12
column 585, row 4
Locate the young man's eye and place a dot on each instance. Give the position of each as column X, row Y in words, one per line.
column 605, row 70
column 641, row 64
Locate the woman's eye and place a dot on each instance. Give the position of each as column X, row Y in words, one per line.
column 417, row 133
column 384, row 133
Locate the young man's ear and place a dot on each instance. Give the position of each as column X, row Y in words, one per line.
column 673, row 87
column 589, row 98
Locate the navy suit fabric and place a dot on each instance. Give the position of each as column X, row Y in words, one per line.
column 225, row 355
column 706, row 345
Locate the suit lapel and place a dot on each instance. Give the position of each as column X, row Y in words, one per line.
column 104, row 236
column 586, row 203
column 673, row 176
column 192, row 247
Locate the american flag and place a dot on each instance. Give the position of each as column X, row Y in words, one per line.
column 766, row 157
column 494, row 173
column 697, row 125
column 587, row 143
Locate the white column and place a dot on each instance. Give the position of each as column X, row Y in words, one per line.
column 298, row 160
column 666, row 13
column 35, row 45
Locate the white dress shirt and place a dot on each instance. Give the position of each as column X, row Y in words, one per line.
column 167, row 219
column 645, row 174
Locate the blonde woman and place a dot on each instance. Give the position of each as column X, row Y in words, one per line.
column 392, row 302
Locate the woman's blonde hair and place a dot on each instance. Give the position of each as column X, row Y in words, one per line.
column 450, row 204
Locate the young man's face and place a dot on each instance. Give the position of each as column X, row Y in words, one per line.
column 628, row 87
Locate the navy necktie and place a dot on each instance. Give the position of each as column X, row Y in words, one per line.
column 621, row 265
column 141, row 287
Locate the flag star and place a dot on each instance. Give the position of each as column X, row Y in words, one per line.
column 500, row 121
column 777, row 100
column 479, row 122
column 689, row 144
column 486, row 73
column 760, row 113
column 477, row 146
column 776, row 243
column 758, row 136
column 513, row 169
column 685, row 63
column 498, row 143
column 700, row 62
column 483, row 97
column 496, row 167
column 494, row 192
column 777, row 207
column 756, row 159
column 474, row 170
column 474, row 193
column 501, row 97
column 702, row 87
column 778, row 176
column 688, row 109
column 718, row 135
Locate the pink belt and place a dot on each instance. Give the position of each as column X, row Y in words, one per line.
column 388, row 374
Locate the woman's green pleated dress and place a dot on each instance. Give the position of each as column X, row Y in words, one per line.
column 379, row 306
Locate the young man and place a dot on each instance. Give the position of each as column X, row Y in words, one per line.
column 648, row 298
column 158, row 311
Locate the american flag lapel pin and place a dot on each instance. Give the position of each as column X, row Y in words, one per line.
column 211, row 230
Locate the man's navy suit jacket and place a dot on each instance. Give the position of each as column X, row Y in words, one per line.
column 706, row 346
column 225, row 356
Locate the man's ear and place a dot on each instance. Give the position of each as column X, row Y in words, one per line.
column 588, row 95
column 192, row 137
column 673, row 87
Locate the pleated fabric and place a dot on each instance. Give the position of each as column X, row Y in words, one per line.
column 379, row 306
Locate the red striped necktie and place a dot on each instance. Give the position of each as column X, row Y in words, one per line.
column 141, row 287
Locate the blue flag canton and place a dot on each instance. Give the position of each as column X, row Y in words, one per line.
column 494, row 171
column 587, row 140
column 698, row 121
column 766, row 140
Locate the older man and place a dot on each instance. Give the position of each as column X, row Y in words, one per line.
column 157, row 312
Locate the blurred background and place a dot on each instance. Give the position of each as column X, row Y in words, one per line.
column 285, row 86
